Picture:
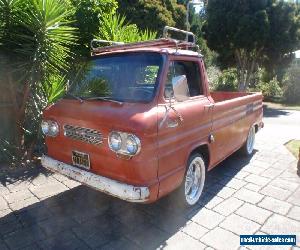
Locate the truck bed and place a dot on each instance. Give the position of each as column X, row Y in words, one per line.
column 220, row 96
column 234, row 113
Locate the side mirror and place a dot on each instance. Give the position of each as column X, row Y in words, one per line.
column 180, row 88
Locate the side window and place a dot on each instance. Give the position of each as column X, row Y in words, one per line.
column 191, row 71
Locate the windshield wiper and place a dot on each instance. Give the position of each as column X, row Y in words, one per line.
column 74, row 97
column 104, row 98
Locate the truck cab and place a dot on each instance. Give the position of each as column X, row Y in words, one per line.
column 141, row 122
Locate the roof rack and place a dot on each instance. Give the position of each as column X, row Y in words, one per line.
column 164, row 42
column 96, row 41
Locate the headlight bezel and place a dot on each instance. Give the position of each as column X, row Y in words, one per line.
column 50, row 128
column 124, row 143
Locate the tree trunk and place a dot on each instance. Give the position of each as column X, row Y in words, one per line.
column 19, row 113
column 245, row 66
column 13, row 97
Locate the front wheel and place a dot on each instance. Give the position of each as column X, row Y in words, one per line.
column 248, row 147
column 194, row 180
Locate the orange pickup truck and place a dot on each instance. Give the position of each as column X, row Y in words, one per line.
column 140, row 122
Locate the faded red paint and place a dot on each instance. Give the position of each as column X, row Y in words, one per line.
column 162, row 161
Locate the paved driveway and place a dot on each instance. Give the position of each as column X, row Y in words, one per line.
column 260, row 195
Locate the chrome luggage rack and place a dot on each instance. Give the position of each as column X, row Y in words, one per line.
column 164, row 42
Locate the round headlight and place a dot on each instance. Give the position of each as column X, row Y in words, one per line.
column 50, row 128
column 53, row 129
column 45, row 127
column 115, row 141
column 132, row 144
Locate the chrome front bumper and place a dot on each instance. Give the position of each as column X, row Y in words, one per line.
column 103, row 184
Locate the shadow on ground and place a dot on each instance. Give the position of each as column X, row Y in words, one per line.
column 82, row 218
column 10, row 175
column 272, row 112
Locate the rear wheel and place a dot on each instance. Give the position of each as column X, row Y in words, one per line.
column 248, row 147
column 194, row 180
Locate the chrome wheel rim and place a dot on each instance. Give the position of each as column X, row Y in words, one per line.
column 194, row 181
column 251, row 140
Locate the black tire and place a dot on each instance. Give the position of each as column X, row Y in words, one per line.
column 248, row 148
column 181, row 195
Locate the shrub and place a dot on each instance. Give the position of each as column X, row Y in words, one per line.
column 227, row 81
column 270, row 89
column 45, row 37
column 213, row 74
column 291, row 83
column 115, row 28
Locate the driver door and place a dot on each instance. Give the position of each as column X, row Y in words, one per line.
column 184, row 125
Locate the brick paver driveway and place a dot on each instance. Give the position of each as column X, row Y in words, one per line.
column 260, row 195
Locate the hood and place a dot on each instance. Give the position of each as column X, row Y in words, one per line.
column 128, row 117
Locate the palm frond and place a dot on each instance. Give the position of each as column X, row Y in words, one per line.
column 49, row 34
column 115, row 28
column 54, row 88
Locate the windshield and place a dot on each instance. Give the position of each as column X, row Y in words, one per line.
column 123, row 77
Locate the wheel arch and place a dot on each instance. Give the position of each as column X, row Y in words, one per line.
column 204, row 150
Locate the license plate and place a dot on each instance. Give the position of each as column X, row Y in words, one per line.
column 81, row 159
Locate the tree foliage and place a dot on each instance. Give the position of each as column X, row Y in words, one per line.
column 227, row 81
column 292, row 85
column 36, row 37
column 153, row 14
column 35, row 43
column 89, row 16
column 270, row 89
column 284, row 37
column 115, row 28
column 248, row 33
column 197, row 21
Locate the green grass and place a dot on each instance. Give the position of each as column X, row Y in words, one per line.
column 293, row 146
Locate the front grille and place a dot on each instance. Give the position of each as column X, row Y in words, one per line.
column 83, row 134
